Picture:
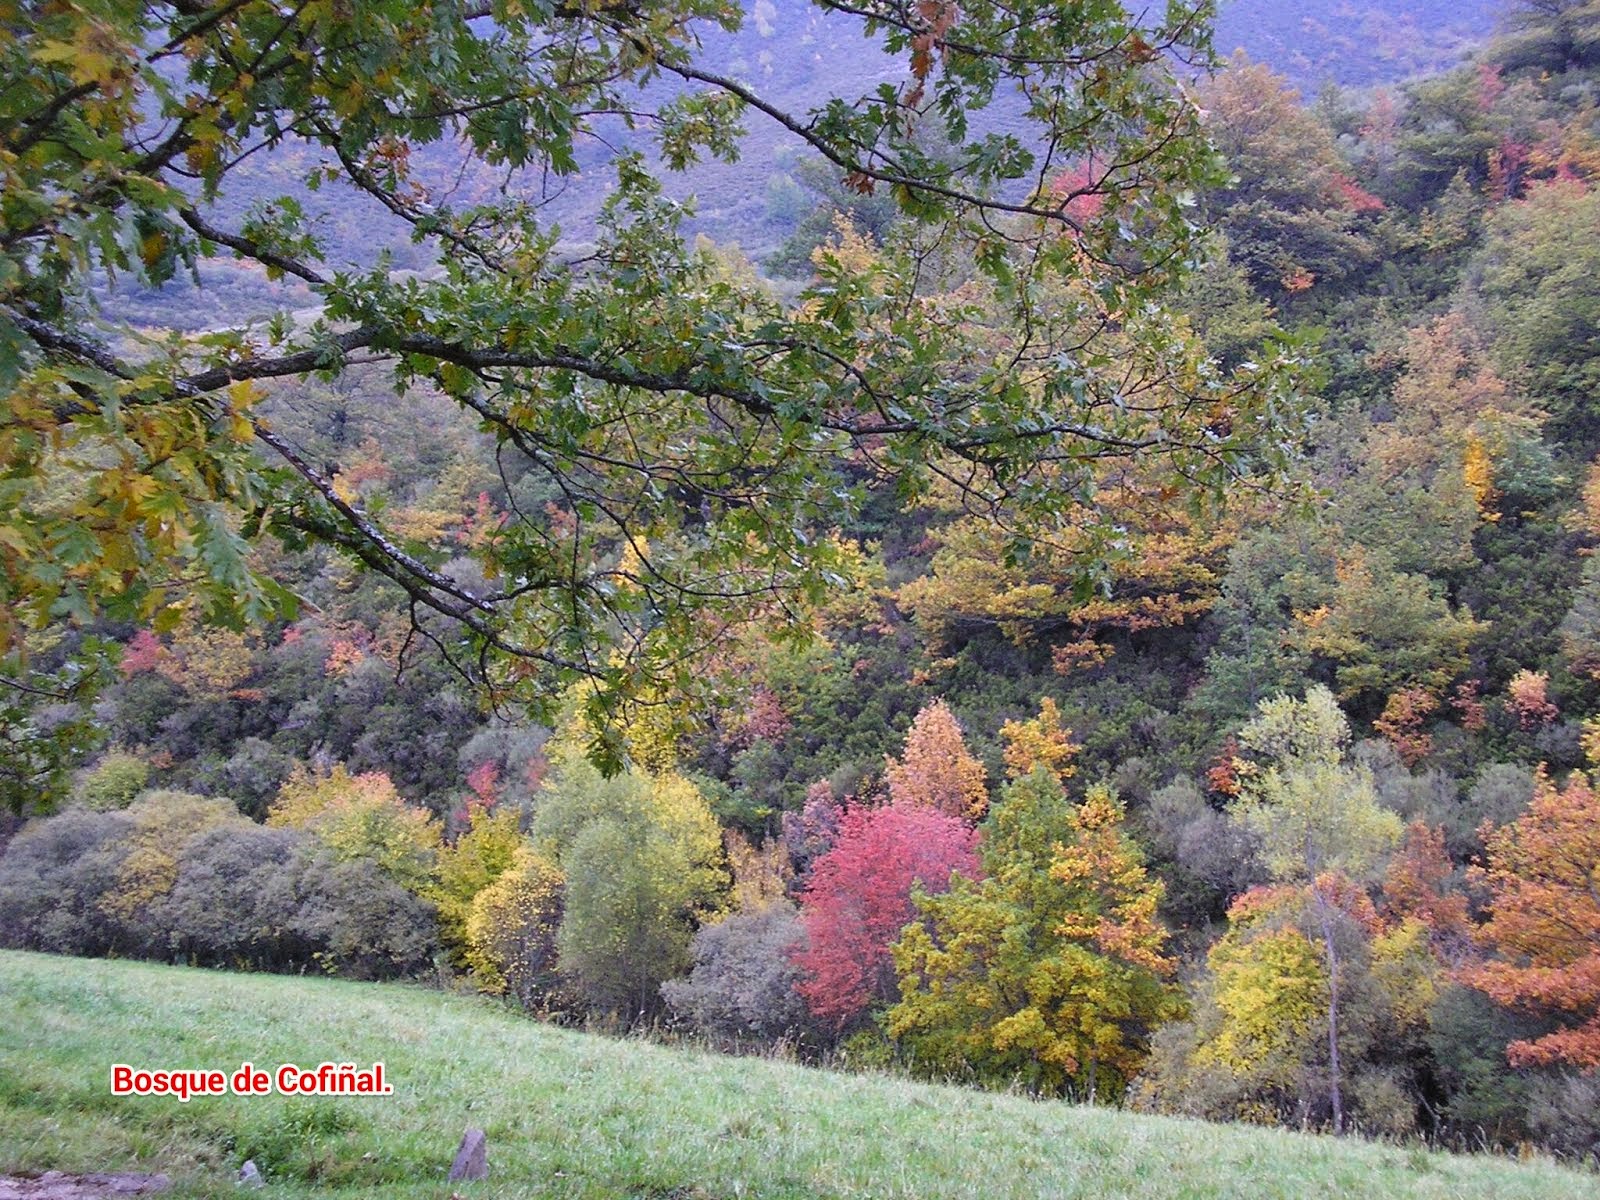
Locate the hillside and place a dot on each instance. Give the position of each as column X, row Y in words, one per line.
column 575, row 1115
column 796, row 57
column 1354, row 44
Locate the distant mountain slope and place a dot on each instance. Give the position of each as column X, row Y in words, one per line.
column 796, row 56
column 1355, row 42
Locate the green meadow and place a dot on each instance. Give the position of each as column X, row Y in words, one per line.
column 577, row 1115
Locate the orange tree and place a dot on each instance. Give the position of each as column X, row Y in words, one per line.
column 1543, row 872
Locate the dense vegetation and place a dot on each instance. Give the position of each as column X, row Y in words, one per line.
column 1273, row 801
column 575, row 1117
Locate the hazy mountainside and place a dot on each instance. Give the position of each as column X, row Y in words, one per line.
column 1354, row 43
column 571, row 1115
column 795, row 57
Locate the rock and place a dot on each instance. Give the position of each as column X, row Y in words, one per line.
column 250, row 1177
column 472, row 1158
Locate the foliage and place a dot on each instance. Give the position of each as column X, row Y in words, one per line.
column 1544, row 921
column 483, row 852
column 114, row 781
column 1448, row 456
column 859, row 896
column 1311, row 812
column 181, row 877
column 510, row 929
column 936, row 768
column 160, row 825
column 1163, row 575
column 46, row 728
column 361, row 816
column 1285, row 1030
column 53, row 877
column 700, row 434
column 1047, row 973
column 359, row 920
column 1538, row 267
column 1104, row 583
column 1042, row 741
column 642, row 859
column 1291, row 215
column 742, row 984
column 1528, row 700
column 762, row 874
column 811, row 832
column 1402, row 723
column 1386, row 630
column 1271, row 992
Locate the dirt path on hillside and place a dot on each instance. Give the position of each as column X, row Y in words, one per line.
column 58, row 1185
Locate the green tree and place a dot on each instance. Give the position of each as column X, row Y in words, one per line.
column 700, row 435
column 1050, row 971
column 1538, row 277
column 642, row 858
column 1384, row 630
column 1291, row 217
column 1317, row 819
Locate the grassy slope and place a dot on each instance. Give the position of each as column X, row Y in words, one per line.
column 573, row 1115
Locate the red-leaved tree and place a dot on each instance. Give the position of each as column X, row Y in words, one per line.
column 858, row 899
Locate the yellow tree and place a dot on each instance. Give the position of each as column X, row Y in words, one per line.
column 511, row 929
column 469, row 865
column 937, row 769
column 1167, row 573
column 1050, row 970
column 361, row 816
column 1044, row 741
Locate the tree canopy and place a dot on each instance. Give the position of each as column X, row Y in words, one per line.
column 693, row 443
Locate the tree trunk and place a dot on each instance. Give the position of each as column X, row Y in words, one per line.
column 1335, row 1094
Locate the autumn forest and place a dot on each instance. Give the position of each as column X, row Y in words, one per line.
column 1077, row 572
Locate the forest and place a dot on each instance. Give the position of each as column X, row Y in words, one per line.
column 1249, row 775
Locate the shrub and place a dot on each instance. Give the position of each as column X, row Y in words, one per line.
column 113, row 782
column 744, row 977
column 53, row 877
column 363, row 923
column 234, row 904
column 511, row 929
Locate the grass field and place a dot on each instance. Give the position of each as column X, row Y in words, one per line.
column 574, row 1115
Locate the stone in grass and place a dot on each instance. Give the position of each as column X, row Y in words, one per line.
column 250, row 1177
column 472, row 1158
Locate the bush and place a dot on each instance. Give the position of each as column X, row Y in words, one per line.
column 53, row 879
column 234, row 904
column 180, row 876
column 744, row 976
column 363, row 924
column 1565, row 1114
column 511, row 930
column 161, row 824
column 113, row 782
